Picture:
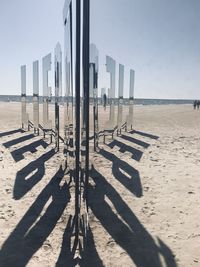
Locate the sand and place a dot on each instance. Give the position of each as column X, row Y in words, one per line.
column 144, row 194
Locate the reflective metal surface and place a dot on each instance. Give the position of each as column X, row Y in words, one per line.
column 23, row 80
column 131, row 100
column 103, row 91
column 111, row 69
column 94, row 67
column 24, row 115
column 132, row 80
column 69, row 127
column 88, row 59
column 46, row 67
column 120, row 117
column 58, row 90
column 36, row 95
column 58, row 72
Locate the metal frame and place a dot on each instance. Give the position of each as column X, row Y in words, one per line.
column 120, row 122
column 47, row 124
column 24, row 115
column 86, row 95
column 81, row 127
column 131, row 100
column 58, row 92
column 94, row 66
column 77, row 119
column 111, row 68
column 69, row 127
column 77, row 130
column 36, row 97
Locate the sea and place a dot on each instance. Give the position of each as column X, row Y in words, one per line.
column 137, row 101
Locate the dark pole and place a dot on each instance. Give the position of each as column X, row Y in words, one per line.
column 57, row 122
column 57, row 119
column 77, row 116
column 86, row 67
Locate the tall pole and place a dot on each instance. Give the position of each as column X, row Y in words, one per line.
column 77, row 117
column 86, row 93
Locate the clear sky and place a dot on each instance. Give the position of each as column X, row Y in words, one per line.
column 159, row 39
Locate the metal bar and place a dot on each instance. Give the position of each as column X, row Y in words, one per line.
column 57, row 123
column 77, row 115
column 94, row 128
column 86, row 85
column 71, row 44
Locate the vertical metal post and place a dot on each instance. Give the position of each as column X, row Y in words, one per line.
column 71, row 43
column 77, row 115
column 58, row 91
column 57, row 123
column 86, row 81
column 94, row 130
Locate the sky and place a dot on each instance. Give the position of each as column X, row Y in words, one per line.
column 159, row 39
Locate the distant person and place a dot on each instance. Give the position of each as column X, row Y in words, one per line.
column 195, row 104
column 104, row 101
column 198, row 104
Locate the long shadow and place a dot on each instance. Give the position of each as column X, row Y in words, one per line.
column 30, row 175
column 131, row 180
column 145, row 134
column 31, row 232
column 11, row 132
column 18, row 154
column 131, row 235
column 18, row 140
column 136, row 153
column 135, row 141
column 89, row 256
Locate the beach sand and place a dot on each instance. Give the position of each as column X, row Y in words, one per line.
column 144, row 194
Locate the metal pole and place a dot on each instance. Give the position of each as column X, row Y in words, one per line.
column 57, row 123
column 86, row 68
column 71, row 44
column 77, row 116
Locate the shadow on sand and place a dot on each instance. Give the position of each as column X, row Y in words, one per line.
column 124, row 228
column 18, row 140
column 11, row 132
column 33, row 229
column 88, row 257
column 136, row 154
column 18, row 154
column 130, row 234
column 30, row 175
column 135, row 141
column 124, row 173
column 151, row 136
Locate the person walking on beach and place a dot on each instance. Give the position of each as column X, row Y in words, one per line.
column 198, row 104
column 104, row 101
column 195, row 104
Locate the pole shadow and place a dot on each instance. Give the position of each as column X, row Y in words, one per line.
column 18, row 140
column 151, row 136
column 11, row 132
column 88, row 256
column 135, row 141
column 31, row 232
column 131, row 235
column 30, row 175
